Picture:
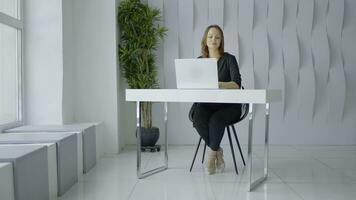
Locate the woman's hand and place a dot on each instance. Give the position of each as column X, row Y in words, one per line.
column 228, row 85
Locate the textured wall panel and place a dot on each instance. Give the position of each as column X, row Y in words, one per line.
column 321, row 53
column 216, row 12
column 306, row 85
column 260, row 45
column 231, row 26
column 159, row 53
column 245, row 38
column 276, row 73
column 291, row 58
column 348, row 52
column 186, row 24
column 171, row 43
column 337, row 82
column 201, row 14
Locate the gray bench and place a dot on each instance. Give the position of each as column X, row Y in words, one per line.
column 87, row 131
column 30, row 170
column 67, row 158
column 6, row 181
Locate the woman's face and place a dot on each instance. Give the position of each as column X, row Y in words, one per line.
column 213, row 39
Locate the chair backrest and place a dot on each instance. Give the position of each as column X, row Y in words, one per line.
column 244, row 111
column 191, row 111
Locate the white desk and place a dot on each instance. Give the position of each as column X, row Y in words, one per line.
column 208, row 96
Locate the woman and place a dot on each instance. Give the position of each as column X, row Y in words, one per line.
column 210, row 119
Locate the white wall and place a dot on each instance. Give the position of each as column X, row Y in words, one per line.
column 126, row 117
column 305, row 48
column 69, row 86
column 43, row 61
column 70, row 65
column 94, row 61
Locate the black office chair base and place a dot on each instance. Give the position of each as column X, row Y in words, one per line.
column 156, row 148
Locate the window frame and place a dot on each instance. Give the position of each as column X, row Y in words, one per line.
column 18, row 24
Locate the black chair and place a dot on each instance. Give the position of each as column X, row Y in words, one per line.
column 244, row 112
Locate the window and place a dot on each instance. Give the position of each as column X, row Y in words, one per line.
column 11, row 29
column 10, row 8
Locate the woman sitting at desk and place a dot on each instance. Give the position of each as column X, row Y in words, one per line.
column 210, row 119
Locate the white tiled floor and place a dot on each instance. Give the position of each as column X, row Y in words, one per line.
column 296, row 172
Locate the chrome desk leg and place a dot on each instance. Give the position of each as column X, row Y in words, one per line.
column 165, row 134
column 138, row 138
column 141, row 174
column 266, row 156
column 260, row 180
column 249, row 150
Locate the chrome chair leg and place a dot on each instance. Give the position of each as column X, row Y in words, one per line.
column 238, row 144
column 195, row 155
column 232, row 149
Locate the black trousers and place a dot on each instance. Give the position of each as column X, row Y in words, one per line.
column 210, row 120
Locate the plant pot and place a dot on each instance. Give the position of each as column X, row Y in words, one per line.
column 149, row 136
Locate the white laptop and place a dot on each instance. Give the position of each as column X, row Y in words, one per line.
column 198, row 73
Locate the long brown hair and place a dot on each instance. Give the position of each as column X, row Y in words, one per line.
column 204, row 47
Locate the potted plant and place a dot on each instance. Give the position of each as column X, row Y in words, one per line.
column 139, row 38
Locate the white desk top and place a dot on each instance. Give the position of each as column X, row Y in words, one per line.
column 208, row 95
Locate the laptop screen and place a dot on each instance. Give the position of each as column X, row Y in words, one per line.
column 197, row 73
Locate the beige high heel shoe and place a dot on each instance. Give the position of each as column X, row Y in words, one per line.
column 220, row 163
column 210, row 165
